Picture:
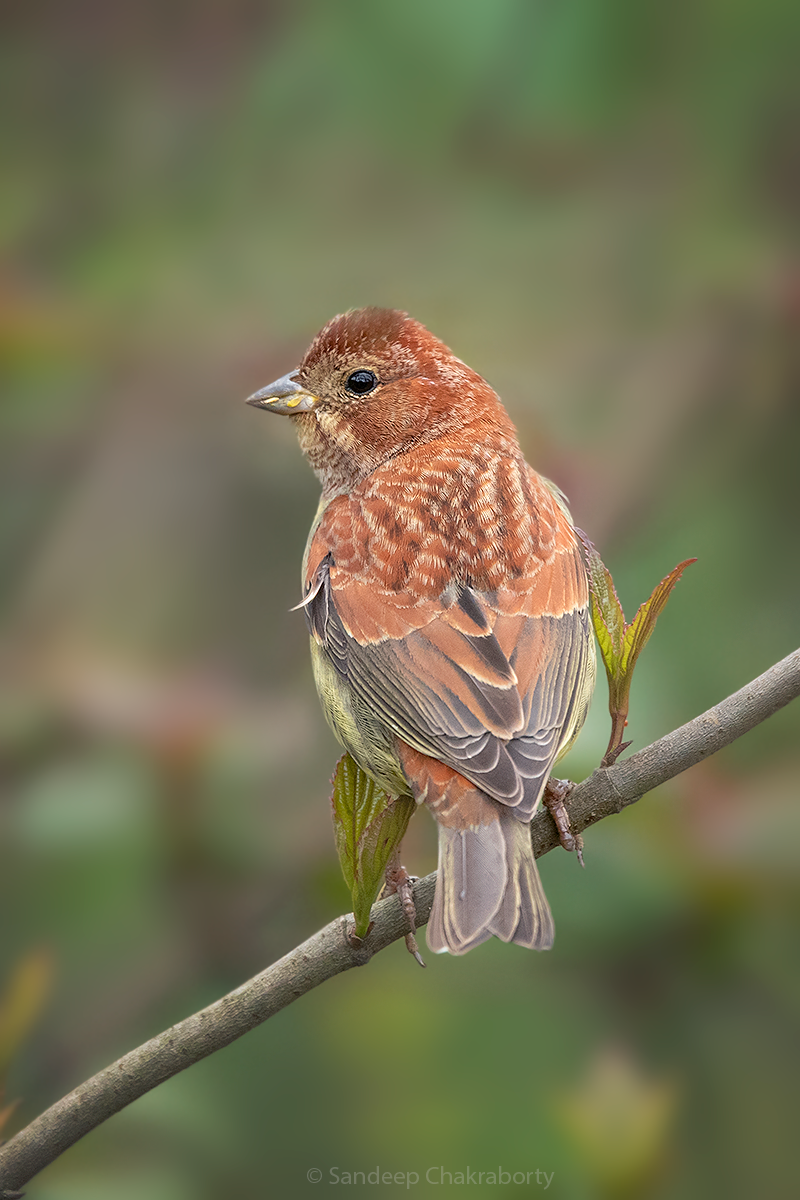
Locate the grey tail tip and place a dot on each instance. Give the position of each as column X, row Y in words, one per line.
column 488, row 885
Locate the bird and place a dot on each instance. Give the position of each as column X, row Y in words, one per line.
column 447, row 601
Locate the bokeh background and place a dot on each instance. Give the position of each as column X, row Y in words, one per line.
column 595, row 203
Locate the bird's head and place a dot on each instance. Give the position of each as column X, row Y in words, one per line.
column 373, row 384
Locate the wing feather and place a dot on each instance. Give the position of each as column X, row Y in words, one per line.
column 476, row 682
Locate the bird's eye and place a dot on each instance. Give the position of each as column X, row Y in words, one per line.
column 361, row 382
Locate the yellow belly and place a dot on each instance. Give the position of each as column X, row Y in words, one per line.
column 367, row 739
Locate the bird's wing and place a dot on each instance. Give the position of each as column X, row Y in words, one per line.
column 485, row 683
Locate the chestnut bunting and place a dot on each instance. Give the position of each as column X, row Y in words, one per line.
column 447, row 599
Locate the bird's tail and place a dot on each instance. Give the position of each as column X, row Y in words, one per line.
column 488, row 885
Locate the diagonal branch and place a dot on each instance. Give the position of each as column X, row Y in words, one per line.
column 329, row 952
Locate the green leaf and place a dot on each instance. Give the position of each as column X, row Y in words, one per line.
column 643, row 624
column 607, row 615
column 369, row 825
column 621, row 643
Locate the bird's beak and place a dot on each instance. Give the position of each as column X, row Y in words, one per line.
column 284, row 396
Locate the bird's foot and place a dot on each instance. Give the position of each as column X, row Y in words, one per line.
column 399, row 883
column 553, row 797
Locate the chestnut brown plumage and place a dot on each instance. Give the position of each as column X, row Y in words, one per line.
column 447, row 600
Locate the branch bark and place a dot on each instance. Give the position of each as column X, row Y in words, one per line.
column 329, row 952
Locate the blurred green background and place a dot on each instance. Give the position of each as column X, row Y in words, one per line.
column 595, row 203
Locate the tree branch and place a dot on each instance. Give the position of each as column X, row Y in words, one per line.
column 329, row 952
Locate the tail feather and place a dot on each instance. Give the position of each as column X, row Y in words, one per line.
column 488, row 885
column 524, row 915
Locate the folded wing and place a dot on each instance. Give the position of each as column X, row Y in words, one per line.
column 489, row 684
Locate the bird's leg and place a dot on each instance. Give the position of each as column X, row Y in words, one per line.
column 553, row 797
column 398, row 882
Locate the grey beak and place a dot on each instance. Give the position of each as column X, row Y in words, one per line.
column 284, row 396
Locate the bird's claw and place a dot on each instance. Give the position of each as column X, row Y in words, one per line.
column 553, row 797
column 400, row 883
